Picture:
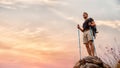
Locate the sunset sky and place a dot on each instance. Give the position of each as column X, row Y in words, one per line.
column 43, row 33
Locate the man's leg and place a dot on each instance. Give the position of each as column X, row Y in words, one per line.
column 90, row 40
column 92, row 48
column 86, row 42
column 88, row 49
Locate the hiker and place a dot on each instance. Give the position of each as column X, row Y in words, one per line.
column 88, row 39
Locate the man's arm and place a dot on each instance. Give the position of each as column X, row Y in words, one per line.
column 92, row 23
column 80, row 28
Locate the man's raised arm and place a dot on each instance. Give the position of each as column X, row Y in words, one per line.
column 80, row 28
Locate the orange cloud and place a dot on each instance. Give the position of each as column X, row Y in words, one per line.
column 31, row 48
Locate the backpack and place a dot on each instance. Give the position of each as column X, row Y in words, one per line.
column 93, row 28
column 94, row 31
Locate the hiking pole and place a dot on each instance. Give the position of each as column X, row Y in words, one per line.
column 79, row 43
column 93, row 41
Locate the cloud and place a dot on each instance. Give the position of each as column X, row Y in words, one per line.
column 112, row 24
column 118, row 1
column 4, row 46
column 10, row 2
column 69, row 8
column 27, row 3
column 6, row 2
column 42, row 48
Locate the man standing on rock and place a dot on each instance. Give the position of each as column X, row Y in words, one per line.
column 87, row 34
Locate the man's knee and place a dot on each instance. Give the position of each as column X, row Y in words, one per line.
column 87, row 45
column 91, row 42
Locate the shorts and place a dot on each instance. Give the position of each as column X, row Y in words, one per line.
column 87, row 36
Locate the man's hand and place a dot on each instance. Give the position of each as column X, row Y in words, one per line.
column 89, row 24
column 78, row 26
column 92, row 23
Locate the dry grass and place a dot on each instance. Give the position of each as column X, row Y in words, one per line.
column 113, row 55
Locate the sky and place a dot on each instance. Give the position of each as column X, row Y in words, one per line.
column 43, row 33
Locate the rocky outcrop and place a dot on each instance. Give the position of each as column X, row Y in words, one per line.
column 91, row 62
column 118, row 64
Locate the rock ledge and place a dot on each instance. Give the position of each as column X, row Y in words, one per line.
column 91, row 62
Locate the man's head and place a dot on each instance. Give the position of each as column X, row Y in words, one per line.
column 85, row 15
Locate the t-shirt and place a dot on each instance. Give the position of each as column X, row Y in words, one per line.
column 86, row 23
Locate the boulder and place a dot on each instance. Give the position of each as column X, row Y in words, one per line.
column 91, row 62
column 118, row 64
